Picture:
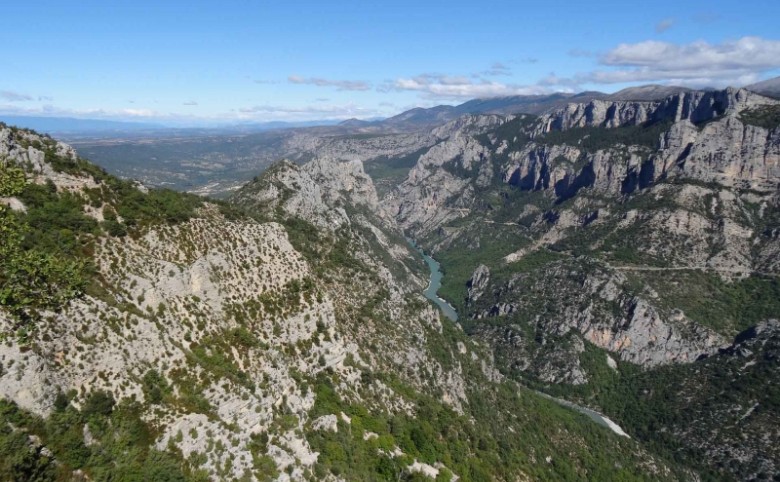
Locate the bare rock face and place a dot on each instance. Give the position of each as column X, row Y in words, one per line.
column 478, row 282
column 725, row 151
column 316, row 191
column 431, row 194
column 706, row 142
column 695, row 106
column 468, row 124
column 722, row 150
column 343, row 179
column 597, row 308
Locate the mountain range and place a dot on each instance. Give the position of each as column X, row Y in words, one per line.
column 409, row 120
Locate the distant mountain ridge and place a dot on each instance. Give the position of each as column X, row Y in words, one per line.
column 769, row 87
column 517, row 104
column 407, row 121
column 72, row 124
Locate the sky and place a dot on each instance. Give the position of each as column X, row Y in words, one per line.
column 209, row 63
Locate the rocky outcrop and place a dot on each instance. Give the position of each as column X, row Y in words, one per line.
column 594, row 304
column 317, row 191
column 706, row 141
column 478, row 282
column 433, row 194
column 694, row 106
column 726, row 152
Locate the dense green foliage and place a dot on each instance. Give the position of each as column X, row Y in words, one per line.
column 499, row 441
column 12, row 180
column 121, row 451
column 33, row 276
column 766, row 116
column 704, row 398
column 389, row 172
column 592, row 139
column 727, row 307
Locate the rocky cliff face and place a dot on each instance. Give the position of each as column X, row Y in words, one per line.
column 316, row 191
column 595, row 304
column 695, row 107
column 433, row 195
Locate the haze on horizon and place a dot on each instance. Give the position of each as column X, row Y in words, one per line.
column 202, row 63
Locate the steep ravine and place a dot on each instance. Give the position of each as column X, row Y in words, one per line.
column 629, row 243
column 431, row 292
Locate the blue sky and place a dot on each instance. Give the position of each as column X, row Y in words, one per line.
column 197, row 63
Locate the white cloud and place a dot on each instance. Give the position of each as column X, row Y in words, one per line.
column 578, row 52
column 54, row 111
column 264, row 112
column 448, row 87
column 339, row 84
column 136, row 113
column 561, row 84
column 307, row 112
column 11, row 96
column 699, row 63
column 497, row 69
column 190, row 103
column 665, row 25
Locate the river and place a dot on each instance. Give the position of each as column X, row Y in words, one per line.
column 592, row 414
column 431, row 292
column 434, row 283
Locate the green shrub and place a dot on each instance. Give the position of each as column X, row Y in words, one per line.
column 12, row 180
column 154, row 386
column 99, row 403
column 766, row 116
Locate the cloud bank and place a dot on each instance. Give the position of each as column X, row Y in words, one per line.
column 735, row 62
column 355, row 85
column 438, row 86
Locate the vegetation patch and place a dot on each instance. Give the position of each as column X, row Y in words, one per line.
column 122, row 446
column 727, row 307
column 592, row 139
column 766, row 116
column 389, row 172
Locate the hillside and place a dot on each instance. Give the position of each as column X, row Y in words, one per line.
column 150, row 335
column 608, row 247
